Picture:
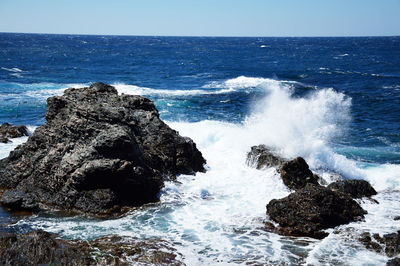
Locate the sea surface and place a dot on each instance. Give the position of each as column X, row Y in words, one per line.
column 334, row 101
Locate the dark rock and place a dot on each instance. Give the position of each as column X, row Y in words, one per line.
column 296, row 174
column 97, row 151
column 397, row 218
column 40, row 247
column 355, row 188
column 389, row 243
column 9, row 131
column 393, row 262
column 312, row 208
column 18, row 201
column 262, row 157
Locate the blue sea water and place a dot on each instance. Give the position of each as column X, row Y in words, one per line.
column 334, row 101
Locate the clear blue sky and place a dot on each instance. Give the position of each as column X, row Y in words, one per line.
column 203, row 17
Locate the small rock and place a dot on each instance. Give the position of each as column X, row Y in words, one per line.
column 9, row 131
column 296, row 174
column 393, row 262
column 308, row 210
column 262, row 157
column 355, row 188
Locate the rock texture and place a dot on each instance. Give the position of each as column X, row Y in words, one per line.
column 296, row 174
column 98, row 151
column 8, row 131
column 312, row 208
column 262, row 157
column 355, row 188
column 388, row 243
column 42, row 248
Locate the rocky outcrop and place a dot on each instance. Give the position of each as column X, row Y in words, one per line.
column 296, row 174
column 98, row 151
column 42, row 248
column 393, row 262
column 388, row 243
column 355, row 188
column 262, row 157
column 8, row 131
column 311, row 209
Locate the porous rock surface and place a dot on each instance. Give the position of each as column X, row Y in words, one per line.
column 9, row 131
column 97, row 151
column 307, row 211
column 263, row 157
column 296, row 174
column 43, row 248
column 355, row 188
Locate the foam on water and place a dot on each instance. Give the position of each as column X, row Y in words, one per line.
column 218, row 217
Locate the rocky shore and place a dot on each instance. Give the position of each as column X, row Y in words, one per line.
column 97, row 153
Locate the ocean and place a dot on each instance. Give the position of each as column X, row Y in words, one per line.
column 333, row 101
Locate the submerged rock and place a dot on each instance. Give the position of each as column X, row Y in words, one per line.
column 311, row 209
column 8, row 131
column 388, row 243
column 262, row 157
column 296, row 174
column 97, row 151
column 43, row 248
column 355, row 188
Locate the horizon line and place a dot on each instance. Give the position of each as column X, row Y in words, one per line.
column 205, row 36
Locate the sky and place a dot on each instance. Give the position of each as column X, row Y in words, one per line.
column 203, row 17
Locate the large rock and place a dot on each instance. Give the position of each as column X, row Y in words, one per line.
column 355, row 188
column 262, row 157
column 296, row 174
column 97, row 151
column 312, row 208
column 8, row 131
column 42, row 248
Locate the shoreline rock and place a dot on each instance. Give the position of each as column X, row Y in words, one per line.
column 355, row 188
column 8, row 131
column 296, row 174
column 43, row 248
column 311, row 209
column 98, row 152
column 262, row 157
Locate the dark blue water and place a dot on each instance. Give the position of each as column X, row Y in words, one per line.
column 365, row 69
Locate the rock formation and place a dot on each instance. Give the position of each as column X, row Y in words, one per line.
column 8, row 131
column 262, row 157
column 355, row 188
column 296, row 174
column 312, row 208
column 97, row 151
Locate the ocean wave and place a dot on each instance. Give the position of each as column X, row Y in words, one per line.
column 14, row 69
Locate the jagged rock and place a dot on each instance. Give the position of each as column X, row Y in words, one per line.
column 40, row 248
column 43, row 248
column 308, row 210
column 389, row 243
column 8, row 131
column 355, row 188
column 393, row 262
column 296, row 174
column 262, row 157
column 97, row 151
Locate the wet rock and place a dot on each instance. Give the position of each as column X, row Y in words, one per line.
column 97, row 151
column 127, row 251
column 389, row 243
column 397, row 218
column 393, row 262
column 43, row 248
column 40, row 247
column 18, row 201
column 10, row 131
column 262, row 157
column 296, row 174
column 355, row 188
column 308, row 210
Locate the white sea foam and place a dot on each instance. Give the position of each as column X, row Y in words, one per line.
column 14, row 69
